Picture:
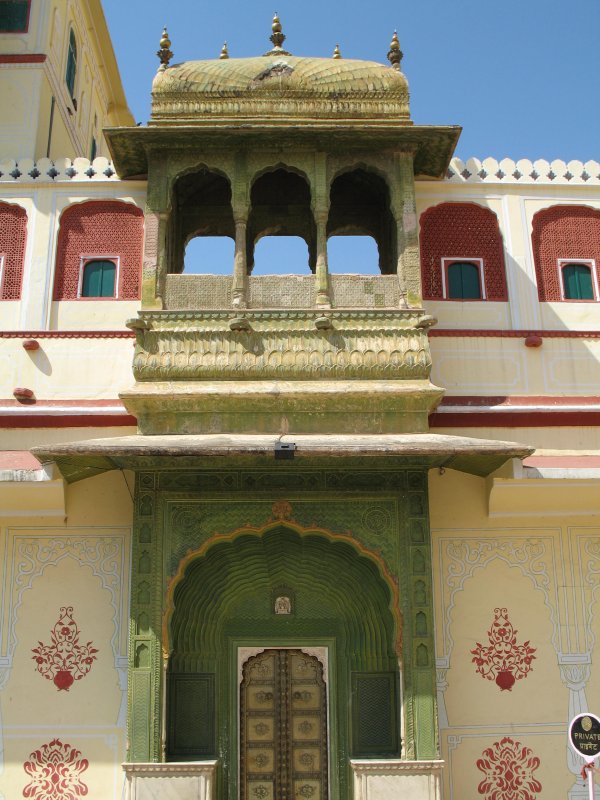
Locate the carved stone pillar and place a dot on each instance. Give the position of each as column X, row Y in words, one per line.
column 155, row 260
column 409, row 266
column 321, row 271
column 239, row 292
column 575, row 673
column 241, row 211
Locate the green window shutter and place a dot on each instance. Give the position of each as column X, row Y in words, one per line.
column 191, row 715
column 71, row 64
column 374, row 715
column 99, row 279
column 463, row 281
column 577, row 282
column 13, row 15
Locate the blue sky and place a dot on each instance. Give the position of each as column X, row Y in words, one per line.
column 520, row 76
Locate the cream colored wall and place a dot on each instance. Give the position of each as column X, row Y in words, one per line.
column 80, row 562
column 69, row 369
column 99, row 315
column 561, row 439
column 515, row 207
column 20, row 87
column 27, row 88
column 26, row 438
column 44, row 204
column 521, row 563
column 505, row 366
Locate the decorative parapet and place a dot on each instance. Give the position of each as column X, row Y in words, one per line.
column 44, row 170
column 281, row 345
column 474, row 170
column 274, row 371
column 524, row 171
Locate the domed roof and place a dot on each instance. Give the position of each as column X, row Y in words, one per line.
column 279, row 85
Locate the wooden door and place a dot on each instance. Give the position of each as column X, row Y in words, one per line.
column 283, row 727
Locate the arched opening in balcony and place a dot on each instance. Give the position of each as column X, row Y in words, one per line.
column 280, row 207
column 360, row 207
column 201, row 210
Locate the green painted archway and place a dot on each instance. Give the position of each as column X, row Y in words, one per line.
column 223, row 599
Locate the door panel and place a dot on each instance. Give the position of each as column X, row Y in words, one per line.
column 283, row 725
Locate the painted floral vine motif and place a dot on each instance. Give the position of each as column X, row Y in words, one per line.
column 55, row 771
column 503, row 660
column 508, row 767
column 64, row 660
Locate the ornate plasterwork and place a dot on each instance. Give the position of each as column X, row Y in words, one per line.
column 589, row 559
column 320, row 653
column 105, row 555
column 507, row 170
column 201, row 346
column 68, row 170
column 279, row 86
column 535, row 557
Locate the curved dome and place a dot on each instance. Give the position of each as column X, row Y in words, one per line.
column 279, row 86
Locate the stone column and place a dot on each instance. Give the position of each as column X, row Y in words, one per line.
column 155, row 260
column 240, row 193
column 405, row 212
column 320, row 209
column 321, row 271
column 239, row 291
column 144, row 713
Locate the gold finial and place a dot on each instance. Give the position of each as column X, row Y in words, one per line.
column 337, row 53
column 395, row 54
column 164, row 54
column 224, row 51
column 277, row 37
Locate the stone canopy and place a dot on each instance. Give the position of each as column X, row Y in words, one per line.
column 280, row 86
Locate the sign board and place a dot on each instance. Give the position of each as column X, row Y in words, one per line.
column 584, row 736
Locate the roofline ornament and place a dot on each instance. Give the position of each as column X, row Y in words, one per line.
column 164, row 54
column 277, row 38
column 394, row 53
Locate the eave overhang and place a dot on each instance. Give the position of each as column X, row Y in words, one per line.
column 433, row 145
column 85, row 459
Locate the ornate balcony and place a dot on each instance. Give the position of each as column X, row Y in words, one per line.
column 280, row 371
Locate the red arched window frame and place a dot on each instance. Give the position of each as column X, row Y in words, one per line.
column 13, row 239
column 452, row 232
column 99, row 229
column 564, row 234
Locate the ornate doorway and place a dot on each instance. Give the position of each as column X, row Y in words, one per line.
column 283, row 727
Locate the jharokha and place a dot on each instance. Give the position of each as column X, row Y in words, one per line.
column 330, row 535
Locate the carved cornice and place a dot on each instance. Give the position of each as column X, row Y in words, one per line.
column 280, row 345
column 171, row 769
column 182, row 107
column 395, row 767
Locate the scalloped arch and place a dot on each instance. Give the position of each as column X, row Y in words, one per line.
column 336, row 583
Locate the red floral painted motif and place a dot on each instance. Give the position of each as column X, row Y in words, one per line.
column 503, row 660
column 64, row 660
column 55, row 771
column 508, row 767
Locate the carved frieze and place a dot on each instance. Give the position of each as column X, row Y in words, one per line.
column 201, row 346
